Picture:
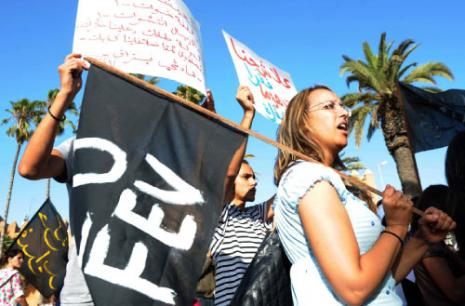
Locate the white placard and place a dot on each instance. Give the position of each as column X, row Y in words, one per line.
column 151, row 37
column 272, row 87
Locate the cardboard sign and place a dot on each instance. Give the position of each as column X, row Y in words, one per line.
column 151, row 37
column 272, row 87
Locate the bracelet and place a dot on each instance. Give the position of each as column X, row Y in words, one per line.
column 395, row 235
column 55, row 117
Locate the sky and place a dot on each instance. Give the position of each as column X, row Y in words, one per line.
column 303, row 37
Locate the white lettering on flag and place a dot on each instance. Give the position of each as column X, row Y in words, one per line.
column 183, row 194
column 128, row 277
column 152, row 226
column 116, row 171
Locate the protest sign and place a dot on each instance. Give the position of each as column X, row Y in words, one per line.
column 148, row 189
column 151, row 37
column 272, row 87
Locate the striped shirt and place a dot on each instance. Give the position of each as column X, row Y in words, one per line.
column 235, row 242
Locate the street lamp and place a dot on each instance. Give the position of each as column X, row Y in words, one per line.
column 380, row 171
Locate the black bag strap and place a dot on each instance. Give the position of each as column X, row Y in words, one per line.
column 266, row 281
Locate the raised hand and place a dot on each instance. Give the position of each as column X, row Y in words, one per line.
column 397, row 208
column 434, row 225
column 70, row 74
column 245, row 98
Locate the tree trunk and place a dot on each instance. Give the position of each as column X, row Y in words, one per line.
column 407, row 171
column 396, row 138
column 8, row 199
column 47, row 189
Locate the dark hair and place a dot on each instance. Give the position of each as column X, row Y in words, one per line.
column 455, row 175
column 436, row 196
column 455, row 163
column 10, row 253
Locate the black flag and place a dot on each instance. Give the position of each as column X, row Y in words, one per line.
column 44, row 242
column 434, row 118
column 148, row 184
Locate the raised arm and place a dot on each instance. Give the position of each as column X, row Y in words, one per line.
column 329, row 230
column 39, row 160
column 209, row 102
column 246, row 100
column 269, row 208
column 433, row 227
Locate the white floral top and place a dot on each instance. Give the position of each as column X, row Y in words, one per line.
column 11, row 287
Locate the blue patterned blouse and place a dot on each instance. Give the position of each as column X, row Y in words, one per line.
column 309, row 284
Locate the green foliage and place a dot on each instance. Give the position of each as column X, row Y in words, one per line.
column 24, row 115
column 249, row 155
column 377, row 76
column 188, row 93
column 7, row 242
column 149, row 79
column 71, row 110
column 350, row 163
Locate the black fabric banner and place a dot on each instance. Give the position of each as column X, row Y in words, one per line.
column 44, row 242
column 434, row 118
column 147, row 193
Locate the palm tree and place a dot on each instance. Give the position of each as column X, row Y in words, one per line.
column 249, row 156
column 72, row 109
column 350, row 163
column 188, row 93
column 377, row 77
column 24, row 115
column 149, row 79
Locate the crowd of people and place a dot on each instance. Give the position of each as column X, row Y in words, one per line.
column 339, row 250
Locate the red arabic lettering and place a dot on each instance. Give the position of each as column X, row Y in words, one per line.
column 268, row 95
column 141, row 23
column 241, row 57
column 264, row 72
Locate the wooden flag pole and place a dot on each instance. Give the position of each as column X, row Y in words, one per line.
column 198, row 108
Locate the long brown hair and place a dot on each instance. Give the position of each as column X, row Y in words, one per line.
column 294, row 133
